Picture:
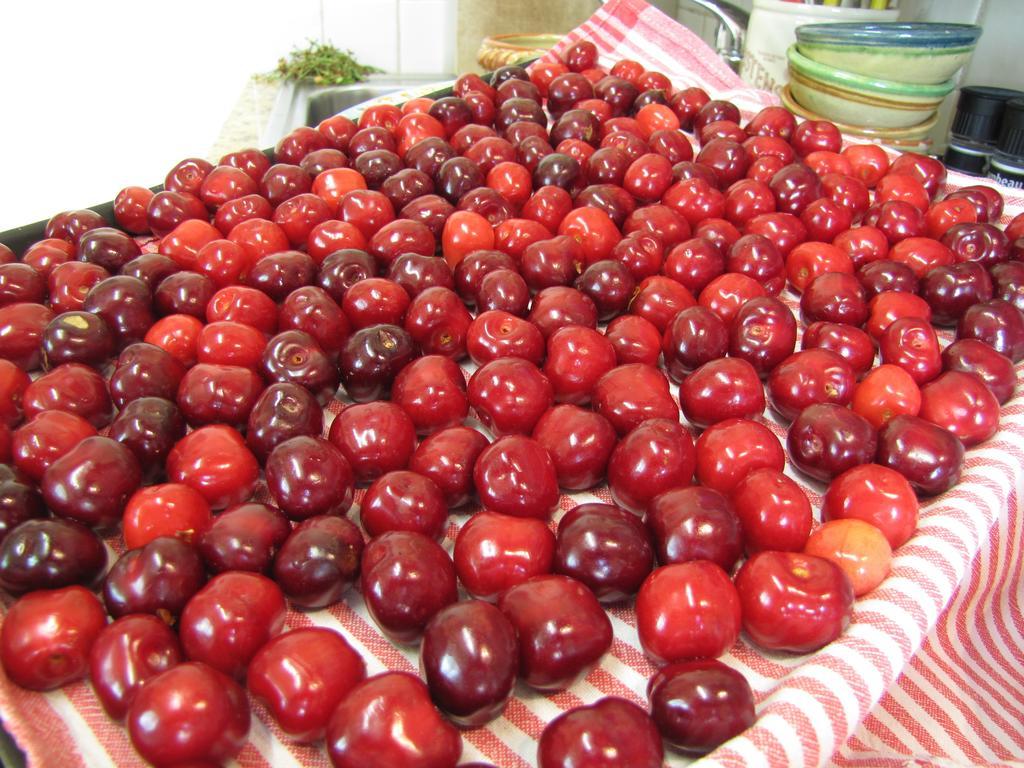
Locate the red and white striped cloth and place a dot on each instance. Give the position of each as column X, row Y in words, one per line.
column 929, row 671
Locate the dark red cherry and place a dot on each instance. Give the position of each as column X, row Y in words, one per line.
column 49, row 554
column 92, row 482
column 587, row 735
column 606, row 548
column 447, row 457
column 699, row 705
column 158, row 578
column 149, row 426
column 406, row 578
column 319, row 561
column 145, row 370
column 371, row 358
column 309, row 476
column 244, row 538
column 282, row 411
column 825, row 440
column 562, row 629
column 470, row 657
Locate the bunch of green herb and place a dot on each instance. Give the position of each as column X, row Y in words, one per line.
column 321, row 64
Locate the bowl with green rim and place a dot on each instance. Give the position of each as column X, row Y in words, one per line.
column 920, row 52
column 855, row 99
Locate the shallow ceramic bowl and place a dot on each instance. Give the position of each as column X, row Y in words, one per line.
column 921, row 53
column 854, row 99
column 914, row 137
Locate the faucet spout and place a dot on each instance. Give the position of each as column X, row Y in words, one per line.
column 732, row 25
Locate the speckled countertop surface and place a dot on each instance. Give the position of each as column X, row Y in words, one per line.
column 248, row 119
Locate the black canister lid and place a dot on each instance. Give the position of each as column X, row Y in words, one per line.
column 979, row 112
column 972, row 160
column 1011, row 135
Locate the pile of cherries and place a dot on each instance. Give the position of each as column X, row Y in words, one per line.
column 600, row 236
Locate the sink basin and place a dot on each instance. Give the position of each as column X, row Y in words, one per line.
column 304, row 104
column 331, row 101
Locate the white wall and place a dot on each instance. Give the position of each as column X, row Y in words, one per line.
column 99, row 95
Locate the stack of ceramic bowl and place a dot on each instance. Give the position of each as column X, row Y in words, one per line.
column 882, row 81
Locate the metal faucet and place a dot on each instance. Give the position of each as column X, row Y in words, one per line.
column 732, row 25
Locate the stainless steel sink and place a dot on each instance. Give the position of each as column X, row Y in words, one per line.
column 304, row 104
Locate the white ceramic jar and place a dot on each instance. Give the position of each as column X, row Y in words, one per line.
column 772, row 29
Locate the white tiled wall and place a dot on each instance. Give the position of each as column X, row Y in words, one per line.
column 98, row 94
column 407, row 36
column 367, row 27
column 427, row 32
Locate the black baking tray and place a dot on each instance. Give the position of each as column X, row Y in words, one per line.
column 19, row 238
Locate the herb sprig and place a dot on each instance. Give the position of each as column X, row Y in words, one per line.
column 320, row 64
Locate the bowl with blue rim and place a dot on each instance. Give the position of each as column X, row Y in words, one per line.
column 922, row 53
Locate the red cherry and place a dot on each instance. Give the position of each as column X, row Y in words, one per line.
column 302, row 675
column 190, row 714
column 494, row 552
column 580, row 443
column 809, row 377
column 215, row 461
column 961, row 403
column 852, row 344
column 730, row 450
column 885, row 392
column 576, row 358
column 447, row 457
column 876, row 495
column 514, row 475
column 721, row 389
column 407, row 731
column 656, row 456
column 763, row 333
column 792, row 601
column 128, row 654
column 47, row 637
column 170, row 509
column 71, row 387
column 230, row 619
column 773, row 512
column 634, row 339
column 911, row 344
column 633, row 393
column 432, row 390
column 509, row 395
column 496, row 334
column 687, row 611
column 404, row 501
column 45, row 438
column 374, row 437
